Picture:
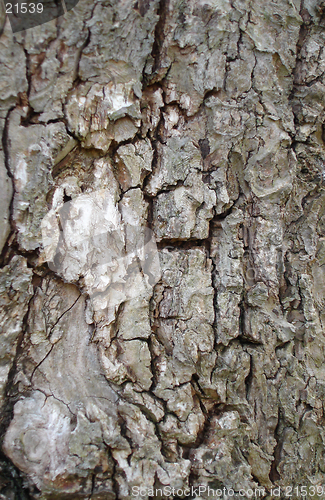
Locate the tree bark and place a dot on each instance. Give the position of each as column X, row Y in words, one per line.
column 162, row 278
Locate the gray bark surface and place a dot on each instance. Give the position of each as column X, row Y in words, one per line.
column 203, row 121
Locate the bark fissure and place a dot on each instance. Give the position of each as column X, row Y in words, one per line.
column 198, row 362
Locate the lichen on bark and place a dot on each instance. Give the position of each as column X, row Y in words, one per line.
column 162, row 231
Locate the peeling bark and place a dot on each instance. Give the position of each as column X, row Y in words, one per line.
column 162, row 233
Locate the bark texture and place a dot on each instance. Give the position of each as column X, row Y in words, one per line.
column 203, row 121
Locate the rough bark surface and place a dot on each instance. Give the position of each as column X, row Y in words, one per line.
column 202, row 120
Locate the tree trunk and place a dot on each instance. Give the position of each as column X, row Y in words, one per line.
column 163, row 251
